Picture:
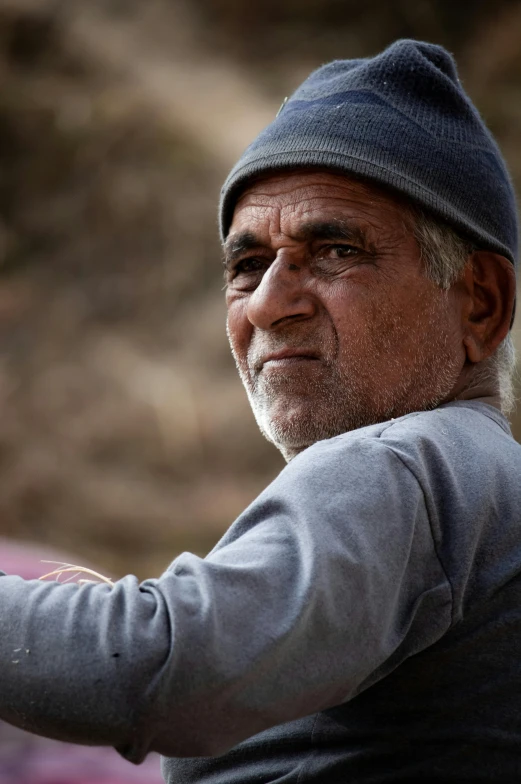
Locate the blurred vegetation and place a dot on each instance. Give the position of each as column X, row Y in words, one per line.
column 126, row 436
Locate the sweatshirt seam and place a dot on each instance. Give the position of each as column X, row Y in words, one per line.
column 312, row 752
column 494, row 415
column 431, row 529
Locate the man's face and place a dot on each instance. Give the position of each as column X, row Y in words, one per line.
column 331, row 320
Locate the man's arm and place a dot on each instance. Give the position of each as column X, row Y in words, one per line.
column 300, row 607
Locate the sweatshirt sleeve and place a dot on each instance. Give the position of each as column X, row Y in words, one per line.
column 322, row 586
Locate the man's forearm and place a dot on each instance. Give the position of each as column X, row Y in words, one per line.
column 72, row 664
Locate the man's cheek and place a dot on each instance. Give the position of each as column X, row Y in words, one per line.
column 239, row 335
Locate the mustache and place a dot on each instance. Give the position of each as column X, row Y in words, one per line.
column 310, row 342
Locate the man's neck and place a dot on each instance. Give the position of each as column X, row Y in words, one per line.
column 491, row 400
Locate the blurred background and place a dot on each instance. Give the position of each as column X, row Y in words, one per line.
column 125, row 435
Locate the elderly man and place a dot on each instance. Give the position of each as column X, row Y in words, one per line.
column 361, row 620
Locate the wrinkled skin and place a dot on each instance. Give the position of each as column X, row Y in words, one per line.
column 332, row 321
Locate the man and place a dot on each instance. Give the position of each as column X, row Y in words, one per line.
column 361, row 620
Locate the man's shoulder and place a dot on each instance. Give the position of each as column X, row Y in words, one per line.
column 454, row 432
column 471, row 415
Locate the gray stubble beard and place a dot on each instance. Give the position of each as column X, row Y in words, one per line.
column 336, row 402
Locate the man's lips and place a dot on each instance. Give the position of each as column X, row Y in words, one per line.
column 286, row 357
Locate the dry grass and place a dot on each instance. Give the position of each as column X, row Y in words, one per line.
column 65, row 568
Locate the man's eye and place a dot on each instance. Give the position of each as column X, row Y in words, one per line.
column 246, row 266
column 339, row 251
column 337, row 259
column 246, row 274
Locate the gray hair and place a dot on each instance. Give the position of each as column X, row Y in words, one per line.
column 445, row 255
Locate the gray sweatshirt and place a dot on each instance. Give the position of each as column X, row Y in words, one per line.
column 360, row 621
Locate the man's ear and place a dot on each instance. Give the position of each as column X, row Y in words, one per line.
column 490, row 284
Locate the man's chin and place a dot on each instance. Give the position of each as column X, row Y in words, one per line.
column 294, row 429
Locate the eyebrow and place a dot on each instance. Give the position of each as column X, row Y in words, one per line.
column 238, row 244
column 333, row 229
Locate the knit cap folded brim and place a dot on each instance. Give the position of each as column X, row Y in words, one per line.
column 403, row 120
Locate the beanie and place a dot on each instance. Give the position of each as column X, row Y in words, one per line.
column 403, row 120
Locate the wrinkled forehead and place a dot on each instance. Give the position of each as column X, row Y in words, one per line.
column 287, row 202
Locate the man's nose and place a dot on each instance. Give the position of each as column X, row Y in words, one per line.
column 281, row 296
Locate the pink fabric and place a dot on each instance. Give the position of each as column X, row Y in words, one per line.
column 26, row 560
column 28, row 760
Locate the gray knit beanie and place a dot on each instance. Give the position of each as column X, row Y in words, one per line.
column 401, row 119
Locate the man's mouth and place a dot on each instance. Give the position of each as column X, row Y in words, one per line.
column 285, row 357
